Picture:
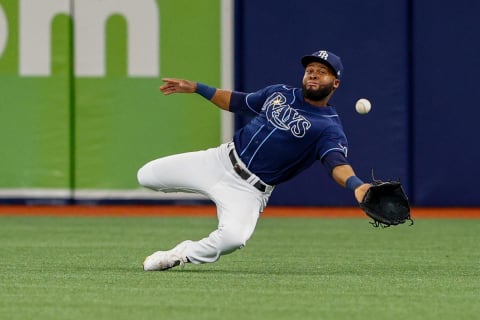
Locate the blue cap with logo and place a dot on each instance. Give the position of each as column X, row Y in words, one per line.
column 325, row 57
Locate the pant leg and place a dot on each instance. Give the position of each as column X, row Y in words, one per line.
column 238, row 212
column 186, row 172
column 210, row 172
column 239, row 205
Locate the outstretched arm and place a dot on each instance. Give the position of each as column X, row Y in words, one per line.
column 341, row 174
column 220, row 97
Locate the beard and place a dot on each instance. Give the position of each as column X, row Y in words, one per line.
column 319, row 94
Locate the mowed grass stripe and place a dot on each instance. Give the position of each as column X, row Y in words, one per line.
column 90, row 268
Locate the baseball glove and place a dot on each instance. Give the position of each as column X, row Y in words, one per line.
column 386, row 203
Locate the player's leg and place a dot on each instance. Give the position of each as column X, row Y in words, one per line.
column 237, row 211
column 185, row 172
column 238, row 207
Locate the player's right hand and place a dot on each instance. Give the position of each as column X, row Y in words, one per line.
column 177, row 86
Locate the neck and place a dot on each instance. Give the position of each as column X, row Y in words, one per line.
column 319, row 103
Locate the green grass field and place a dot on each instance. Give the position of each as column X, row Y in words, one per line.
column 310, row 268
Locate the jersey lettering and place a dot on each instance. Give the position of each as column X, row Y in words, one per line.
column 282, row 116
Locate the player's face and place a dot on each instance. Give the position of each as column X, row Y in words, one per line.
column 319, row 82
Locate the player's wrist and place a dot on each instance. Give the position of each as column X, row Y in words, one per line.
column 205, row 91
column 353, row 183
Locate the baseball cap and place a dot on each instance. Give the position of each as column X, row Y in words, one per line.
column 325, row 57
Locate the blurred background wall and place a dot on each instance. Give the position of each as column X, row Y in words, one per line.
column 80, row 110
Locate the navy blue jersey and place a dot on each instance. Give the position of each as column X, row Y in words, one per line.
column 287, row 134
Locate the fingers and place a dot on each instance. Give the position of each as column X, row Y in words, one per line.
column 168, row 89
column 171, row 86
column 171, row 80
column 177, row 86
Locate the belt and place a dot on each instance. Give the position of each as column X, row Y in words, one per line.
column 243, row 173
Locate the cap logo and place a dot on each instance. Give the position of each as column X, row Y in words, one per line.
column 323, row 55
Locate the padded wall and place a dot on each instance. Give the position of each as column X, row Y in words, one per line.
column 446, row 114
column 372, row 39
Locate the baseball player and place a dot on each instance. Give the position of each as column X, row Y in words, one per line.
column 291, row 129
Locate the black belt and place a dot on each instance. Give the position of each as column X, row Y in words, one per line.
column 243, row 173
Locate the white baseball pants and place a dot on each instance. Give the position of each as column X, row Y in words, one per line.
column 210, row 172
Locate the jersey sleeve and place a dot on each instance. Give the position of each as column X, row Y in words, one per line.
column 332, row 139
column 250, row 103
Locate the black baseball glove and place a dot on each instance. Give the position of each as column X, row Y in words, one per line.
column 386, row 203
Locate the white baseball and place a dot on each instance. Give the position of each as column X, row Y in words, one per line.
column 363, row 106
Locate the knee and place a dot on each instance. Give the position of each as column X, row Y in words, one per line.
column 232, row 239
column 141, row 176
column 144, row 176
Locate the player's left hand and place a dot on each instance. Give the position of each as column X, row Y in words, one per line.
column 386, row 203
column 361, row 191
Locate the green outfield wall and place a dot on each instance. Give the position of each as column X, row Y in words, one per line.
column 80, row 109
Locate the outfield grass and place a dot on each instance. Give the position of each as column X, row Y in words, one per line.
column 90, row 268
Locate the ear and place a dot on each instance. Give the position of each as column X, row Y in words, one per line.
column 336, row 84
